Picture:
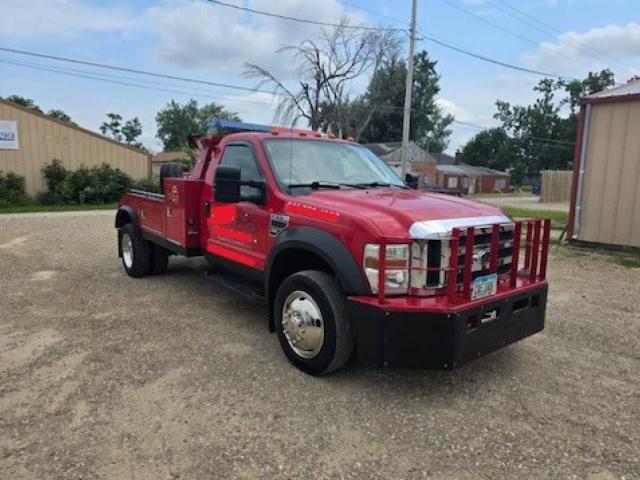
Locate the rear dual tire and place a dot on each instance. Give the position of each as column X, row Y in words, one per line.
column 139, row 256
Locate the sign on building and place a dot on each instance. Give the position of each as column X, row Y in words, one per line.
column 8, row 135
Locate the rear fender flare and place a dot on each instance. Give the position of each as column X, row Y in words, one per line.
column 125, row 215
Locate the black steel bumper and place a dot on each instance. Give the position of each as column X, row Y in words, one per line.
column 444, row 340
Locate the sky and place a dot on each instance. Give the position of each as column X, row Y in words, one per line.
column 202, row 40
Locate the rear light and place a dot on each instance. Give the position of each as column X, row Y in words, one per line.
column 396, row 268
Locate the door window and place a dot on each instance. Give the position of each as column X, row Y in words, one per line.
column 242, row 156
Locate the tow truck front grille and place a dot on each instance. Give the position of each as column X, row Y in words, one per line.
column 438, row 255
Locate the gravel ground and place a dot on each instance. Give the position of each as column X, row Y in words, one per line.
column 530, row 202
column 103, row 376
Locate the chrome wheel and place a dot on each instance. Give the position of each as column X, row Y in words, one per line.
column 127, row 250
column 302, row 324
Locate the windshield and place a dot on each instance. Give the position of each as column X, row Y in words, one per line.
column 303, row 162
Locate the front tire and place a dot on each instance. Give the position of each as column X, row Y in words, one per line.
column 135, row 251
column 312, row 323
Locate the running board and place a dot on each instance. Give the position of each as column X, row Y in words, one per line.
column 247, row 290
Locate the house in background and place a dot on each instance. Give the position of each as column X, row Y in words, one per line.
column 421, row 163
column 443, row 170
column 469, row 179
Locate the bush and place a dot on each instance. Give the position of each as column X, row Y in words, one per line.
column 149, row 184
column 55, row 175
column 12, row 189
column 95, row 185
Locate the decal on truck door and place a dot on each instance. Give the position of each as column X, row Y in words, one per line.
column 277, row 223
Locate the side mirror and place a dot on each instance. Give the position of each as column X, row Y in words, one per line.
column 227, row 184
column 412, row 180
column 228, row 187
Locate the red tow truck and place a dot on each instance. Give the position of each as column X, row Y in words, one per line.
column 349, row 259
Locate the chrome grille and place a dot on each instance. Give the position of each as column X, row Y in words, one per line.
column 432, row 256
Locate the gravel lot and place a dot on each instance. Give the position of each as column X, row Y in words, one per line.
column 103, row 376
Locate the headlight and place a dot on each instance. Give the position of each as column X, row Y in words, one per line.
column 396, row 268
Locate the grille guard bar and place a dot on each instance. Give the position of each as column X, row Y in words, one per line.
column 534, row 267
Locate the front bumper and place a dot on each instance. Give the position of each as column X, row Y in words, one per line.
column 441, row 338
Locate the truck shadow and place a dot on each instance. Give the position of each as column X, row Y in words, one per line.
column 482, row 374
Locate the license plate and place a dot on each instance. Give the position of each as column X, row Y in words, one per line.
column 484, row 286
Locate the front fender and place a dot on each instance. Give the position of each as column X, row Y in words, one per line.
column 326, row 246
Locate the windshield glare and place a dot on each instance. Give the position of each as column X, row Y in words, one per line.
column 297, row 162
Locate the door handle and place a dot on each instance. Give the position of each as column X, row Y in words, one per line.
column 207, row 207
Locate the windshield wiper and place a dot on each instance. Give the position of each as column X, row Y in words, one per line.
column 322, row 184
column 380, row 184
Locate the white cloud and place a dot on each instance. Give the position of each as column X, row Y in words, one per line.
column 451, row 108
column 221, row 39
column 59, row 17
column 613, row 46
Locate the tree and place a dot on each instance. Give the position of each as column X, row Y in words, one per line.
column 176, row 122
column 385, row 95
column 327, row 68
column 112, row 127
column 491, row 148
column 30, row 103
column 60, row 115
column 25, row 102
column 577, row 89
column 131, row 130
column 539, row 136
column 127, row 133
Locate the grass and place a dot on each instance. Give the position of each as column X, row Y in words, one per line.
column 559, row 220
column 55, row 208
column 628, row 261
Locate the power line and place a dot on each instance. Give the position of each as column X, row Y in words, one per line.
column 78, row 74
column 125, row 83
column 59, row 69
column 132, row 70
column 491, row 60
column 371, row 12
column 306, row 20
column 488, row 22
column 428, row 37
column 546, row 28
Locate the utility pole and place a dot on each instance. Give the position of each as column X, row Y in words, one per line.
column 406, row 120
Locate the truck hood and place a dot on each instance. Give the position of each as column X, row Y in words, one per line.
column 398, row 212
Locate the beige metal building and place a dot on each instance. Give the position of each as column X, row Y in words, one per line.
column 605, row 203
column 29, row 140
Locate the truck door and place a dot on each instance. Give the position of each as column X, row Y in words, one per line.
column 238, row 231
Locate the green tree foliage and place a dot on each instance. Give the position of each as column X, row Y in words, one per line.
column 127, row 132
column 539, row 136
column 384, row 101
column 112, row 126
column 491, row 148
column 176, row 122
column 131, row 130
column 577, row 89
column 25, row 102
column 60, row 115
